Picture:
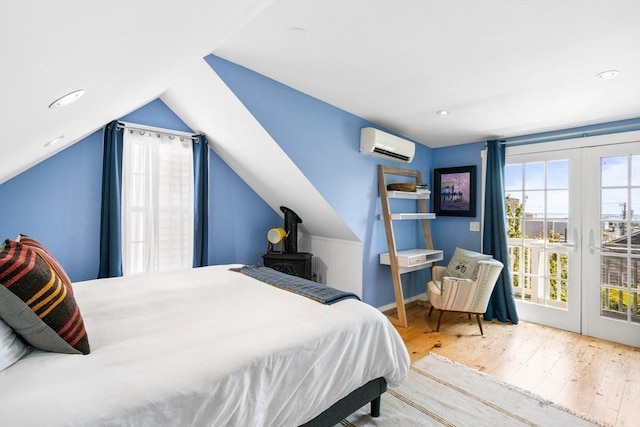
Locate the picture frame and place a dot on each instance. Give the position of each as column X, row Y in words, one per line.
column 454, row 191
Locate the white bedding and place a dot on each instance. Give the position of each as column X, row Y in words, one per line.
column 204, row 347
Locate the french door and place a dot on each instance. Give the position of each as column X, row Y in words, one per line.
column 543, row 213
column 611, row 243
column 574, row 235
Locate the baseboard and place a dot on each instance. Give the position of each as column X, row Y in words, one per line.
column 420, row 299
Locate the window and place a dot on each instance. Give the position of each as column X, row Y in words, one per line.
column 157, row 202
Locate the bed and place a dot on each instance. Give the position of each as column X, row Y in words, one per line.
column 207, row 347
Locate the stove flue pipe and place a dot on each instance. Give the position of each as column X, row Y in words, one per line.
column 291, row 221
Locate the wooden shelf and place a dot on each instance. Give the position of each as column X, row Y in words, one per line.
column 409, row 260
column 408, row 194
column 410, row 215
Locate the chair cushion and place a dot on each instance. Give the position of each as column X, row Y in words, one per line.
column 464, row 264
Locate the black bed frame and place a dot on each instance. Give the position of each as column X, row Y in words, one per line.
column 370, row 392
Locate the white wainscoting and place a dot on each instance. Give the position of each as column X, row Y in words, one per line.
column 335, row 262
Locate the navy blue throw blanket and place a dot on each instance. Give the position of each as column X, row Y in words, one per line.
column 307, row 288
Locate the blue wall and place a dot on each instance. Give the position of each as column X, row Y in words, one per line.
column 238, row 218
column 58, row 202
column 450, row 232
column 324, row 142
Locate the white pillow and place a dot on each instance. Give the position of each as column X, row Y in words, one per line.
column 12, row 348
column 464, row 264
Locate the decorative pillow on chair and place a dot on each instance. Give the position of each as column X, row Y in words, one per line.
column 464, row 264
column 12, row 348
column 37, row 304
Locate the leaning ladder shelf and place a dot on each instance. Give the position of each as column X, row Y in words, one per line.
column 412, row 259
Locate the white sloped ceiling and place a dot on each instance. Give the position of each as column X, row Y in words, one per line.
column 204, row 102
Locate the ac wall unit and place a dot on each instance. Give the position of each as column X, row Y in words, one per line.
column 381, row 144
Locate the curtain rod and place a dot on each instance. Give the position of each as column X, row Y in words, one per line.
column 555, row 136
column 125, row 125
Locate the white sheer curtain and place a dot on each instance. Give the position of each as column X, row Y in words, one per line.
column 157, row 202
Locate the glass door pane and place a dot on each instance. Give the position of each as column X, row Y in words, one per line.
column 620, row 243
column 612, row 252
column 541, row 241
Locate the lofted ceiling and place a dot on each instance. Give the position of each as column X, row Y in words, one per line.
column 500, row 68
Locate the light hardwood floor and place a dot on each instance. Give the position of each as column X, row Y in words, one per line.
column 593, row 377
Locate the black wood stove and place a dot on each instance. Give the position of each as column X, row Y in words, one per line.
column 290, row 261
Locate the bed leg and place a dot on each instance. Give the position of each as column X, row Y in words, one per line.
column 375, row 407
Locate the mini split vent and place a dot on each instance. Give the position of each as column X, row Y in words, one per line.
column 377, row 143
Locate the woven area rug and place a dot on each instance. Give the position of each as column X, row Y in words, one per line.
column 439, row 392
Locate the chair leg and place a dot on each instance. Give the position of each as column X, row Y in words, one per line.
column 439, row 319
column 479, row 323
column 430, row 311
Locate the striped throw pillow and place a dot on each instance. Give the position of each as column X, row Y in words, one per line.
column 47, row 256
column 37, row 303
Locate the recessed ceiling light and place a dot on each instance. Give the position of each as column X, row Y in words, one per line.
column 67, row 99
column 608, row 74
column 298, row 34
column 442, row 112
column 54, row 141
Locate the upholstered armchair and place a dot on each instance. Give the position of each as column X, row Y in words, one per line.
column 463, row 295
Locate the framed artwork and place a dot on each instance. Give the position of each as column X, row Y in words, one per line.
column 454, row 191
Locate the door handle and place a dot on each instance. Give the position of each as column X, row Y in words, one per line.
column 573, row 244
column 592, row 243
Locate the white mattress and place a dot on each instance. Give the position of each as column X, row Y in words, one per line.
column 204, row 347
